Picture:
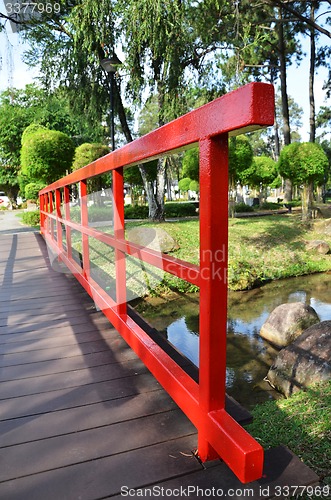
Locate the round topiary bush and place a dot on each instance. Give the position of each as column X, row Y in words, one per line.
column 46, row 155
column 32, row 190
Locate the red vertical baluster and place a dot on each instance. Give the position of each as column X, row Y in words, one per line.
column 118, row 196
column 51, row 222
column 42, row 216
column 58, row 216
column 213, row 279
column 67, row 217
column 84, row 223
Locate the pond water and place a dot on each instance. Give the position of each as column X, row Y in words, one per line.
column 248, row 355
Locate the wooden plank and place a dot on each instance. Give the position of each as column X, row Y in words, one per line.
column 20, row 301
column 68, row 329
column 83, row 446
column 64, row 288
column 65, row 365
column 12, row 321
column 54, row 353
column 48, row 325
column 9, row 346
column 45, row 303
column 26, row 429
column 105, row 476
column 38, row 404
column 41, row 275
column 37, row 385
column 281, row 469
column 59, row 311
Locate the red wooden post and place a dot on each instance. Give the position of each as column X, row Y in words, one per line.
column 51, row 221
column 42, row 209
column 58, row 216
column 46, row 208
column 213, row 279
column 67, row 217
column 120, row 264
column 84, row 223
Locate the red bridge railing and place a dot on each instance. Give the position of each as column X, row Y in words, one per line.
column 246, row 109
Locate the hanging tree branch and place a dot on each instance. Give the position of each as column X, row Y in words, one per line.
column 304, row 19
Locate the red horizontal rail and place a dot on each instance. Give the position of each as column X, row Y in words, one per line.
column 184, row 270
column 245, row 109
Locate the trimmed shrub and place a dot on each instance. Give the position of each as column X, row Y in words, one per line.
column 31, row 218
column 32, row 190
column 46, row 155
column 269, row 205
column 87, row 153
column 136, row 212
column 171, row 210
column 242, row 208
column 180, row 209
column 184, row 184
column 194, row 186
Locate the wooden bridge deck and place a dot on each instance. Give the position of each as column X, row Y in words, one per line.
column 80, row 415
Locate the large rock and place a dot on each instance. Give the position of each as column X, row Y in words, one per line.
column 304, row 362
column 287, row 322
column 155, row 238
column 319, row 246
column 323, row 226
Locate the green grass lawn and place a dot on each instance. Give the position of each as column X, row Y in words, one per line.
column 272, row 248
column 260, row 249
column 302, row 423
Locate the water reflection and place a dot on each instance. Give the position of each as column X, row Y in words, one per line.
column 248, row 355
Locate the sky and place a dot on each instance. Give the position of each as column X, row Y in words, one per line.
column 11, row 50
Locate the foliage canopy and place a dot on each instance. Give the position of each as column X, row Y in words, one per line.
column 303, row 163
column 46, row 155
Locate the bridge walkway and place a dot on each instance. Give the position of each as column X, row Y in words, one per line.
column 80, row 415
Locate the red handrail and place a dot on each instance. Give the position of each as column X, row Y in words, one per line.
column 246, row 109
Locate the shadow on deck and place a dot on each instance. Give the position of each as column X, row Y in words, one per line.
column 80, row 415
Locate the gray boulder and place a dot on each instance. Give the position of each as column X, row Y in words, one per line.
column 287, row 322
column 323, row 226
column 155, row 238
column 304, row 362
column 318, row 246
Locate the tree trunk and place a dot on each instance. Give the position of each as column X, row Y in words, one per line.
column 283, row 87
column 307, row 201
column 232, row 196
column 12, row 193
column 319, row 194
column 312, row 124
column 283, row 80
column 148, row 185
column 277, row 143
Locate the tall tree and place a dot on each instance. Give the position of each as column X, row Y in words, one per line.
column 294, row 8
column 305, row 164
column 304, row 15
column 161, row 39
column 240, row 159
column 166, row 44
column 261, row 173
column 268, row 50
column 312, row 117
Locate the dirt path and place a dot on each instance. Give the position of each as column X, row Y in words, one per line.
column 10, row 223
